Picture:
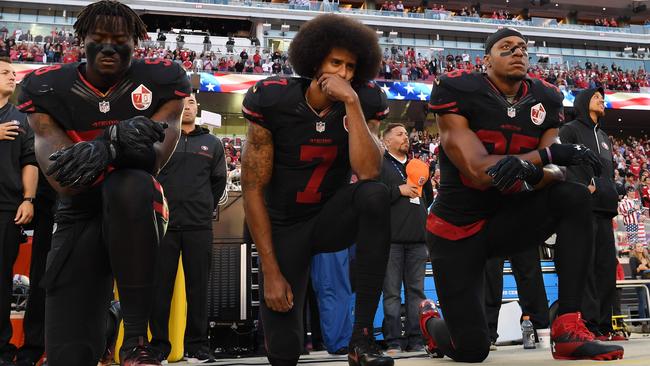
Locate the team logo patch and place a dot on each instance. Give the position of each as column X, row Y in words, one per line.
column 345, row 123
column 320, row 126
column 604, row 145
column 538, row 114
column 141, row 98
column 204, row 148
column 104, row 106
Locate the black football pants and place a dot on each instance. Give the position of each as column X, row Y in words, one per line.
column 530, row 288
column 600, row 293
column 196, row 248
column 358, row 213
column 120, row 241
column 522, row 221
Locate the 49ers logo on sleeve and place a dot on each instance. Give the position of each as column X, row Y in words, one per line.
column 141, row 98
column 538, row 114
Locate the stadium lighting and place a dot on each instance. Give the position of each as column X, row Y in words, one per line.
column 266, row 26
column 379, row 33
column 284, row 27
column 531, row 42
column 392, row 35
column 627, row 50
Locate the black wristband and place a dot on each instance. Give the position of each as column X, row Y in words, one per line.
column 545, row 155
column 536, row 177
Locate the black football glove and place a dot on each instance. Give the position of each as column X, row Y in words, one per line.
column 571, row 154
column 507, row 171
column 135, row 134
column 81, row 164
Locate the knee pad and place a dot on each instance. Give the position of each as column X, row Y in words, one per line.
column 372, row 197
column 138, row 194
column 473, row 355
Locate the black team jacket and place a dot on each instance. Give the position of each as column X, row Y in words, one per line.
column 194, row 180
column 14, row 155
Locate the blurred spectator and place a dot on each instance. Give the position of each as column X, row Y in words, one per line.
column 230, row 45
column 207, row 44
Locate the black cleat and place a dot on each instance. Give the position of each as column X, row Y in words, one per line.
column 363, row 351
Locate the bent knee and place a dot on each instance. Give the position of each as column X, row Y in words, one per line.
column 473, row 354
column 124, row 186
column 372, row 196
column 571, row 196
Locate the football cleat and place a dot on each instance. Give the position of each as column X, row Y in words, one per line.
column 363, row 351
column 428, row 310
column 571, row 340
column 141, row 355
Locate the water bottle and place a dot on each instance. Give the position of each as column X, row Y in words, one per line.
column 528, row 333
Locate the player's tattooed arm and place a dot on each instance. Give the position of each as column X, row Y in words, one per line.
column 169, row 113
column 257, row 165
column 49, row 138
column 256, row 170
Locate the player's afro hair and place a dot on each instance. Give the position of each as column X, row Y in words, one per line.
column 320, row 35
column 119, row 14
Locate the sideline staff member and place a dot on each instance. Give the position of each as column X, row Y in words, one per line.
column 18, row 179
column 193, row 180
column 601, row 284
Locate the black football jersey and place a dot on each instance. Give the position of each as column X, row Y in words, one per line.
column 83, row 111
column 504, row 128
column 310, row 161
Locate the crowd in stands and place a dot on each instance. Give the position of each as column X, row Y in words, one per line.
column 614, row 78
column 632, row 163
column 605, row 23
column 399, row 63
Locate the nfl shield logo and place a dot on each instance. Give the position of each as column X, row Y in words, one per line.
column 512, row 112
column 141, row 98
column 104, row 106
column 320, row 126
column 538, row 114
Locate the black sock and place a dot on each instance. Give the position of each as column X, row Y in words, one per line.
column 136, row 309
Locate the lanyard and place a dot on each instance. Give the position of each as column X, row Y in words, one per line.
column 398, row 169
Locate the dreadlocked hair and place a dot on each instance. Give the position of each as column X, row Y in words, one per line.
column 316, row 39
column 110, row 14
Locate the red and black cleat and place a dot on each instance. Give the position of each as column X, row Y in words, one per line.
column 140, row 355
column 571, row 340
column 428, row 310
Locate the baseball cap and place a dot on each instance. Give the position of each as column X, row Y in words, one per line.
column 417, row 173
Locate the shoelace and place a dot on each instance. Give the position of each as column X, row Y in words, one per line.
column 579, row 330
column 141, row 353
